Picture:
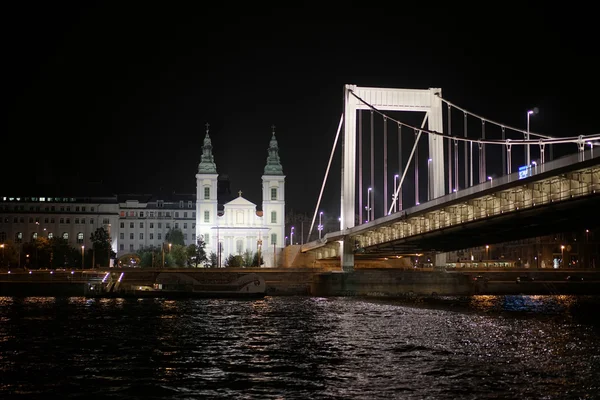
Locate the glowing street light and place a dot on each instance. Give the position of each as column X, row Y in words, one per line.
column 2, row 247
column 534, row 164
column 292, row 236
column 395, row 198
column 82, row 256
column 368, row 204
column 487, row 249
column 528, row 161
column 562, row 255
column 320, row 228
column 490, row 179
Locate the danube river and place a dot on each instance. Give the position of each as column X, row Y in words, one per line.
column 483, row 347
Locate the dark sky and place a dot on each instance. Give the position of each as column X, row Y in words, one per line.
column 120, row 92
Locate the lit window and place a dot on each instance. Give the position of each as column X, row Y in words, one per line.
column 18, row 237
column 206, row 216
column 80, row 238
column 206, row 193
column 50, row 235
column 273, row 193
column 34, row 236
column 273, row 217
column 66, row 235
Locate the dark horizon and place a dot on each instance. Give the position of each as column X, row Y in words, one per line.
column 121, row 95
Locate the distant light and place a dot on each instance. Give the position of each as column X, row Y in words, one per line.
column 51, row 272
column 429, row 160
column 533, row 163
column 530, row 112
column 30, row 272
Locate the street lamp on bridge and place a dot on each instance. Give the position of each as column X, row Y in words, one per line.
column 368, row 204
column 528, row 160
column 320, row 227
column 395, row 198
column 292, row 236
column 491, row 180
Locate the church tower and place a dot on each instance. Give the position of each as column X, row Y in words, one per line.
column 206, row 195
column 273, row 194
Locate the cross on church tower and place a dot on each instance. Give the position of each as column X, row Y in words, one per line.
column 207, row 125
column 240, row 193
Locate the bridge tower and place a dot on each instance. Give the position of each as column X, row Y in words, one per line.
column 385, row 99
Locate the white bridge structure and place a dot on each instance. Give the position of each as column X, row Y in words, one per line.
column 462, row 205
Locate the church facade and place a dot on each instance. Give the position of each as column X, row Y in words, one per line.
column 239, row 226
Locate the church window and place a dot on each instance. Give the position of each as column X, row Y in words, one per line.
column 206, row 193
column 66, row 235
column 273, row 238
column 273, row 193
column 273, row 217
column 239, row 246
column 206, row 216
column 80, row 237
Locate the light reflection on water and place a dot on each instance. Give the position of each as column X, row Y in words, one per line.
column 522, row 347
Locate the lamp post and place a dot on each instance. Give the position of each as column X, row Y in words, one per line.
column 528, row 160
column 37, row 261
column 395, row 197
column 368, row 204
column 562, row 255
column 534, row 164
column 487, row 250
column 2, row 247
column 286, row 242
column 292, row 236
column 82, row 257
column 429, row 179
column 320, row 228
column 491, row 180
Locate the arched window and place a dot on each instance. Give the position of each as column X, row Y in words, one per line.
column 34, row 236
column 80, row 238
column 66, row 235
column 206, row 193
column 18, row 237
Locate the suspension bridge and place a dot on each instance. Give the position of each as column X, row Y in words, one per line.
column 473, row 194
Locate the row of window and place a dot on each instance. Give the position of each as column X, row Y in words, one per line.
column 161, row 204
column 239, row 243
column 151, row 225
column 20, row 207
column 51, row 220
column 151, row 236
column 34, row 236
column 167, row 214
column 49, row 199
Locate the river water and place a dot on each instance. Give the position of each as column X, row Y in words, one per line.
column 482, row 347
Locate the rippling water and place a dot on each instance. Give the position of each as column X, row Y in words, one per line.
column 509, row 347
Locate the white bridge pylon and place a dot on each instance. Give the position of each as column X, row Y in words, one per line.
column 428, row 101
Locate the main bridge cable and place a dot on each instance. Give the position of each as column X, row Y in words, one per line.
column 503, row 126
column 546, row 140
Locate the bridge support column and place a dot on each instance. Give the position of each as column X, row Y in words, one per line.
column 441, row 259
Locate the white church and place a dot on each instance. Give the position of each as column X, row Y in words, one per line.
column 240, row 226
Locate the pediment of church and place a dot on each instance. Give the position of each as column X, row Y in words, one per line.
column 240, row 202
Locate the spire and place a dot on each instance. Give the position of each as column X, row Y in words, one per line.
column 273, row 166
column 207, row 162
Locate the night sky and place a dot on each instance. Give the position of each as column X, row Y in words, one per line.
column 119, row 93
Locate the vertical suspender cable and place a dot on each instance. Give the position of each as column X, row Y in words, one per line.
column 455, row 165
column 416, row 147
column 483, row 169
column 385, row 160
column 503, row 153
column 372, row 211
column 449, row 150
column 399, row 196
column 466, row 155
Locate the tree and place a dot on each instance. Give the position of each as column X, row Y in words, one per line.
column 197, row 254
column 179, row 255
column 212, row 260
column 175, row 236
column 255, row 262
column 233, row 261
column 150, row 256
column 101, row 245
column 247, row 258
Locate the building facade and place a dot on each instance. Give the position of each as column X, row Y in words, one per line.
column 227, row 226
